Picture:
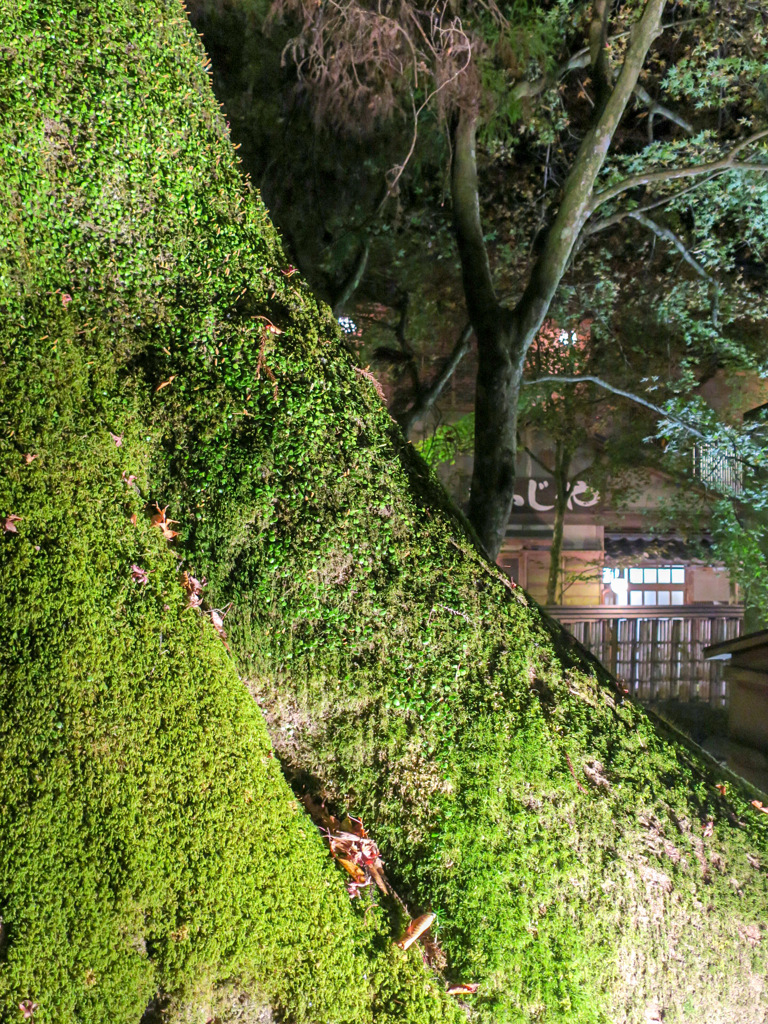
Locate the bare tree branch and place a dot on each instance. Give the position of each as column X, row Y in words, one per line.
column 593, row 228
column 577, row 204
column 482, row 304
column 581, row 59
column 428, row 395
column 726, row 163
column 658, row 109
column 598, row 52
column 673, row 239
column 344, row 292
column 557, row 379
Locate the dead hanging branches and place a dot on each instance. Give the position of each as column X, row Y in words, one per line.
column 361, row 65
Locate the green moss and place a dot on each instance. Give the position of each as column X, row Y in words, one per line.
column 562, row 837
column 150, row 842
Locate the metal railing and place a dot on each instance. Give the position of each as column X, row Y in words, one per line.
column 657, row 652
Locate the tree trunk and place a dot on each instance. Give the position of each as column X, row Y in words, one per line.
column 504, row 336
column 562, row 493
column 584, row 862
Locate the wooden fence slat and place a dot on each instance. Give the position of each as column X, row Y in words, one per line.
column 658, row 653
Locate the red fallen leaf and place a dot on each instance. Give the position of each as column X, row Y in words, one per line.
column 463, row 990
column 66, row 298
column 117, row 438
column 416, row 928
column 9, row 524
column 721, row 790
column 165, row 383
column 27, row 1008
column 138, row 574
column 134, row 520
column 269, row 325
column 759, row 806
column 30, row 458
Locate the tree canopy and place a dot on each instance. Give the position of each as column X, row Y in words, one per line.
column 672, row 200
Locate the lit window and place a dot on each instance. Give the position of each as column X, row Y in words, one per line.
column 645, row 585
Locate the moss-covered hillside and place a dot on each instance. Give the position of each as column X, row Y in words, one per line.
column 157, row 348
column 148, row 840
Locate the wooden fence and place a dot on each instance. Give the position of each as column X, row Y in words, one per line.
column 657, row 653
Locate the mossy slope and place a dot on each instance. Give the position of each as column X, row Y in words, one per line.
column 149, row 842
column 585, row 867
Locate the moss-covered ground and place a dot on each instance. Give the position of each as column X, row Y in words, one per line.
column 158, row 348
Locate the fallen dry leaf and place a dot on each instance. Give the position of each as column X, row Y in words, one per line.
column 351, row 845
column 759, row 806
column 117, row 438
column 27, row 1008
column 134, row 519
column 709, row 828
column 10, row 523
column 463, row 990
column 354, row 870
column 30, row 458
column 138, row 574
column 193, row 588
column 160, row 520
column 416, row 928
column 720, row 789
column 165, row 383
column 217, row 618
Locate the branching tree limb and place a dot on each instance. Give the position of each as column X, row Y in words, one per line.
column 504, row 336
column 674, row 240
column 346, row 289
column 593, row 227
column 558, row 379
column 429, row 394
column 656, row 109
column 726, row 163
